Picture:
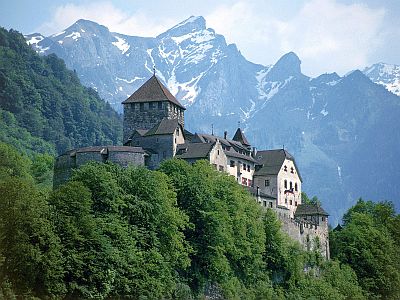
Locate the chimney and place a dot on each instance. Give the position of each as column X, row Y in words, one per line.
column 254, row 152
column 225, row 134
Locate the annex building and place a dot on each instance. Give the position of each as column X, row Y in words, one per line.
column 154, row 131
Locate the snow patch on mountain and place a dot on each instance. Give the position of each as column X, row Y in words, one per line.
column 386, row 75
column 74, row 35
column 121, row 44
column 35, row 39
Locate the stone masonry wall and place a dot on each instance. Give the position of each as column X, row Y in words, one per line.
column 66, row 163
column 310, row 236
column 143, row 116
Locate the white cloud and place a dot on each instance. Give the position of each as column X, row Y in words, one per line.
column 105, row 13
column 326, row 35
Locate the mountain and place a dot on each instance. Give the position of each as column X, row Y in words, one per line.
column 44, row 107
column 386, row 75
column 342, row 130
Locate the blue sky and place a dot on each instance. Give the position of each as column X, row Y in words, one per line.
column 327, row 35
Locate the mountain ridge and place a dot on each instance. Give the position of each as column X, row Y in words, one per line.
column 321, row 120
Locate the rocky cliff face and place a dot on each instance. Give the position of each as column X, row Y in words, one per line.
column 342, row 130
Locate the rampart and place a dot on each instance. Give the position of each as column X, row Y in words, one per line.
column 120, row 155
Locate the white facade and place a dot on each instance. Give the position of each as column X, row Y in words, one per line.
column 288, row 187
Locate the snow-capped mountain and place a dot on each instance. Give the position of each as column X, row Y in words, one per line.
column 342, row 130
column 386, row 75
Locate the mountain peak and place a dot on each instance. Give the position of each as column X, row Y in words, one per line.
column 288, row 65
column 191, row 24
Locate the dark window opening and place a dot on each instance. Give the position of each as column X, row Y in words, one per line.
column 291, row 170
column 248, row 168
column 295, row 186
column 160, row 105
column 291, row 185
column 285, row 168
column 141, row 106
column 232, row 163
column 285, row 184
column 291, row 202
column 267, row 182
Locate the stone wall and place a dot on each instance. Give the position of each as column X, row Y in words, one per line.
column 143, row 116
column 312, row 236
column 146, row 115
column 120, row 155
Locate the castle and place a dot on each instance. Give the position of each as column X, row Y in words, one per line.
column 153, row 130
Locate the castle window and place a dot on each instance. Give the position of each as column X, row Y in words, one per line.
column 175, row 140
column 285, row 168
column 295, row 186
column 285, row 200
column 295, row 203
column 217, row 152
column 250, row 182
column 177, row 131
column 285, row 184
column 291, row 170
column 291, row 202
column 323, row 219
column 291, row 185
column 270, row 204
column 160, row 105
column 267, row 182
column 141, row 106
column 232, row 163
column 248, row 168
column 244, row 181
column 265, row 203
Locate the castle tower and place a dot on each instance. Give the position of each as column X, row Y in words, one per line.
column 146, row 107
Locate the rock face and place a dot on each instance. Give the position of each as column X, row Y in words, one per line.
column 386, row 75
column 343, row 131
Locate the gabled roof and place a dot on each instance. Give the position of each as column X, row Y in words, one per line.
column 272, row 161
column 240, row 137
column 165, row 126
column 309, row 210
column 195, row 150
column 152, row 90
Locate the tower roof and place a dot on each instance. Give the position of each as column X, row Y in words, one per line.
column 152, row 90
column 239, row 137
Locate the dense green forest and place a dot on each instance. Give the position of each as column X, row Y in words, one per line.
column 181, row 232
column 43, row 106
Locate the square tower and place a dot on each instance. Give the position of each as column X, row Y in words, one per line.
column 150, row 104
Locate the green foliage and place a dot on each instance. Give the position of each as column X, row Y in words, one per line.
column 226, row 231
column 44, row 107
column 368, row 242
column 314, row 200
column 30, row 248
column 183, row 232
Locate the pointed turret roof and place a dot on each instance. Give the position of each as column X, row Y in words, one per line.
column 152, row 90
column 239, row 137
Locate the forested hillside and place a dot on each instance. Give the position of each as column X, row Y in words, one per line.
column 182, row 232
column 43, row 106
